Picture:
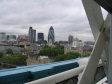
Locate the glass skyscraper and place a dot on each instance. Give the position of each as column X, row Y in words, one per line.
column 51, row 36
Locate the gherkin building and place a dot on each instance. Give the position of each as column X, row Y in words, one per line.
column 51, row 35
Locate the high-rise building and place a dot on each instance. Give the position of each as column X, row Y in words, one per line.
column 32, row 35
column 40, row 36
column 51, row 36
column 3, row 36
column 70, row 39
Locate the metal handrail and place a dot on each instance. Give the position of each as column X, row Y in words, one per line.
column 59, row 77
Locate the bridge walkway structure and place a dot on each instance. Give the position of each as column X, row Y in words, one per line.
column 79, row 71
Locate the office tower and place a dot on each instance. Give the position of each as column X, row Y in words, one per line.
column 3, row 36
column 51, row 36
column 32, row 35
column 40, row 36
column 70, row 39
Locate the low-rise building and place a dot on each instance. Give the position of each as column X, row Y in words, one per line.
column 73, row 49
column 15, row 48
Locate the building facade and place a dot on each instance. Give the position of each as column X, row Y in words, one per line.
column 3, row 36
column 77, row 43
column 40, row 36
column 32, row 35
column 70, row 39
column 22, row 38
column 15, row 48
column 11, row 37
column 74, row 49
column 63, row 43
column 51, row 36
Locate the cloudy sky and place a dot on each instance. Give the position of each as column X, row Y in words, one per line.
column 66, row 16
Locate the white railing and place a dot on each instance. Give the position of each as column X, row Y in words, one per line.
column 103, row 81
column 59, row 77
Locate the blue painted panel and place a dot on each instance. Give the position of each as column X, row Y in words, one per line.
column 63, row 66
column 20, row 75
column 14, row 76
column 53, row 68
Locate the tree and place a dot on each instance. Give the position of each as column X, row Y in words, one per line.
column 76, row 54
column 9, row 51
column 1, row 54
column 60, row 58
column 87, row 55
column 68, row 56
column 15, row 59
column 52, row 52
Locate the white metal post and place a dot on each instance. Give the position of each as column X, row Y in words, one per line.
column 98, row 26
column 110, row 57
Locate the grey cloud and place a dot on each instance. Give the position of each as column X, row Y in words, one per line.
column 67, row 16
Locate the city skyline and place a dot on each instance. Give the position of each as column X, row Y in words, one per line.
column 63, row 15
